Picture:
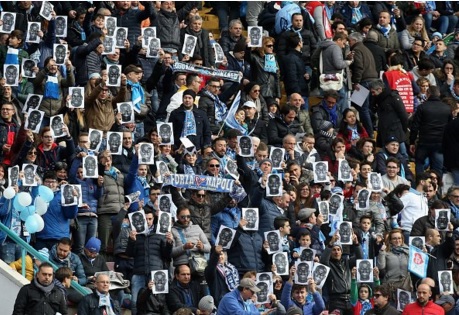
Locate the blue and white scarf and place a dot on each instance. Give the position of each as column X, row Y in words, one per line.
column 189, row 126
column 231, row 275
column 81, row 30
column 104, row 301
column 355, row 134
column 356, row 15
column 112, row 172
column 270, row 63
column 52, row 87
column 188, row 169
column 137, row 95
column 12, row 56
column 220, row 107
column 384, row 30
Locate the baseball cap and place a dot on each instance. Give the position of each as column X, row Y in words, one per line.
column 249, row 104
column 247, row 283
column 391, row 139
column 305, row 213
column 438, row 34
column 445, row 299
column 93, row 245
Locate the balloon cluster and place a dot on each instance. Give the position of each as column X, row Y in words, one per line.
column 28, row 212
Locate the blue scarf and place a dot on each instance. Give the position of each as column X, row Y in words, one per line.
column 51, row 87
column 104, row 301
column 188, row 169
column 112, row 172
column 356, row 15
column 81, row 30
column 366, row 305
column 384, row 30
column 189, row 126
column 231, row 275
column 355, row 134
column 220, row 107
column 333, row 114
column 137, row 95
column 12, row 56
column 270, row 63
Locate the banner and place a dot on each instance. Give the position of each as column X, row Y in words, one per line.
column 198, row 182
column 418, row 261
column 221, row 74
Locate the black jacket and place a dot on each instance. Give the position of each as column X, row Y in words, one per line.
column 429, row 121
column 393, row 119
column 378, row 54
column 451, row 145
column 90, row 268
column 215, row 280
column 278, row 129
column 295, row 68
column 203, row 133
column 31, row 300
column 386, row 310
column 89, row 305
column 176, row 299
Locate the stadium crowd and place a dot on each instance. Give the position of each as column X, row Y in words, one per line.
column 306, row 166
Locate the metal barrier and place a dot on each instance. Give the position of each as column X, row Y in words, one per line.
column 27, row 248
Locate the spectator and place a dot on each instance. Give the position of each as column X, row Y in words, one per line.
column 423, row 302
column 229, row 39
column 101, row 297
column 9, row 129
column 381, row 300
column 415, row 30
column 354, row 11
column 91, row 260
column 387, row 35
column 326, row 111
column 281, row 126
column 203, row 47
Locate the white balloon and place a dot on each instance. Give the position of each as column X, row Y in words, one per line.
column 40, row 222
column 9, row 193
column 24, row 199
column 41, row 206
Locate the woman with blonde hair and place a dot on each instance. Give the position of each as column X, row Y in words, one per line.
column 416, row 29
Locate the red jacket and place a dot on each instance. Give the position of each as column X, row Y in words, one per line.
column 429, row 309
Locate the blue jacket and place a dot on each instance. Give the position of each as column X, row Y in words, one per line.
column 229, row 217
column 57, row 218
column 6, row 215
column 72, row 261
column 135, row 185
column 247, row 252
column 314, row 308
column 232, row 304
column 267, row 208
column 90, row 191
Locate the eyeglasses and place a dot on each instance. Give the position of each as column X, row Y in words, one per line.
column 455, row 196
column 214, row 165
column 185, row 217
column 32, row 153
column 7, row 109
column 396, row 238
column 200, row 195
column 256, row 91
column 215, row 86
column 377, row 295
column 50, row 181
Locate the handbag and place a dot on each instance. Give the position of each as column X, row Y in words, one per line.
column 196, row 261
column 333, row 81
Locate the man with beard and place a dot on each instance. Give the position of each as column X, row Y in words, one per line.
column 423, row 304
column 41, row 296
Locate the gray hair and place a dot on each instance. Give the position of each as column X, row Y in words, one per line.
column 376, row 84
column 358, row 37
column 234, row 22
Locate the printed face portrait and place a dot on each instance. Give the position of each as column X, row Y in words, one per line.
column 273, row 241
column 29, row 174
column 114, row 142
column 321, row 171
column 11, row 74
column 138, row 222
column 219, row 52
column 14, row 176
column 164, row 222
column 307, row 255
column 323, row 208
column 165, row 133
column 154, row 47
column 442, row 220
column 363, row 197
column 94, row 140
column 277, row 157
column 365, row 270
column 374, row 180
column 245, row 145
column 160, row 280
column 77, row 98
column 8, row 22
column 126, row 112
column 68, row 194
column 303, row 272
column 60, row 54
column 90, row 165
column 57, row 126
column 274, row 184
column 120, row 36
column 27, row 68
column 319, row 274
column 345, row 169
column 251, row 218
column 108, row 43
column 165, row 204
column 146, row 152
column 281, row 263
column 34, row 119
column 255, row 36
column 33, row 102
column 404, row 299
column 111, row 25
column 47, row 9
column 445, row 280
column 225, row 237
column 33, row 31
column 334, row 204
column 262, row 295
column 345, row 232
column 189, row 44
column 60, row 25
column 417, row 242
column 148, row 33
column 113, row 75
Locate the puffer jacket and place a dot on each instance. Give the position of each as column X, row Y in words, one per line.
column 51, row 106
column 81, row 57
column 191, row 233
column 247, row 252
column 33, row 301
column 100, row 114
column 390, row 42
column 150, row 252
column 89, row 305
column 113, row 198
column 268, row 210
column 57, row 218
column 72, row 261
column 132, row 19
column 120, row 233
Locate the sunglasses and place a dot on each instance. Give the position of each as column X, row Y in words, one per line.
column 32, row 153
column 184, row 217
column 270, row 46
column 214, row 165
column 200, row 195
column 376, row 295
